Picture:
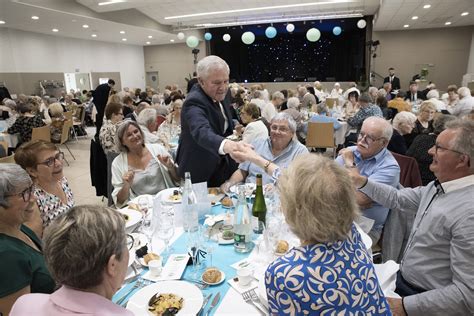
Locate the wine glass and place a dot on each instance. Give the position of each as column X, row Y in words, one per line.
column 193, row 243
column 210, row 245
column 165, row 229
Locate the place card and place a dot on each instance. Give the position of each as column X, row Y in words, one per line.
column 242, row 264
column 173, row 269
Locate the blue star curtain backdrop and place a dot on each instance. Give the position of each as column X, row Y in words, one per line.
column 291, row 56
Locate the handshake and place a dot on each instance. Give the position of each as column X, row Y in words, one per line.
column 240, row 151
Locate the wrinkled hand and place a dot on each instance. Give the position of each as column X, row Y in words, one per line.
column 347, row 155
column 239, row 151
column 396, row 306
column 128, row 177
column 166, row 161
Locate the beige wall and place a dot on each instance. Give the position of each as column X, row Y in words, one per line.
column 446, row 49
column 28, row 83
column 173, row 62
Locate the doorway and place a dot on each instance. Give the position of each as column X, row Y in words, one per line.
column 152, row 80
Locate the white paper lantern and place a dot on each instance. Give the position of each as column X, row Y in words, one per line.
column 180, row 35
column 290, row 27
column 226, row 37
column 361, row 23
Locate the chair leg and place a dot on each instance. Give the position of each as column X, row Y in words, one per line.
column 66, row 161
column 69, row 151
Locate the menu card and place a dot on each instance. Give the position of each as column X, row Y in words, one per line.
column 173, row 269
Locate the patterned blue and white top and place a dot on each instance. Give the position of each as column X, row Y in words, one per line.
column 325, row 279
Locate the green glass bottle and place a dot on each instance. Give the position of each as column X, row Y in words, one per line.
column 259, row 208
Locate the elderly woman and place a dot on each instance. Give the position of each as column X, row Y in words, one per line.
column 57, row 122
column 254, row 127
column 140, row 168
column 351, row 106
column 113, row 116
column 26, row 122
column 330, row 272
column 451, row 97
column 22, row 267
column 403, row 123
column 423, row 142
column 175, row 116
column 87, row 286
column 44, row 163
column 424, row 122
column 269, row 154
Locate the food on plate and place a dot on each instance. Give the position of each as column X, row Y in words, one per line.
column 165, row 304
column 134, row 206
column 150, row 256
column 282, row 246
column 176, row 196
column 212, row 275
column 227, row 202
column 125, row 217
column 214, row 191
column 227, row 235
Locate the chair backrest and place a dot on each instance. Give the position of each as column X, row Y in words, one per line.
column 331, row 102
column 68, row 115
column 8, row 159
column 65, row 132
column 320, row 135
column 410, row 175
column 43, row 133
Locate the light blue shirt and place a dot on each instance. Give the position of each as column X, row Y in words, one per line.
column 263, row 146
column 381, row 168
column 323, row 119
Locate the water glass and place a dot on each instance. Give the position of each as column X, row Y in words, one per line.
column 165, row 229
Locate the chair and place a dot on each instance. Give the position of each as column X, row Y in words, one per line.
column 65, row 136
column 41, row 133
column 331, row 102
column 79, row 124
column 321, row 135
column 8, row 159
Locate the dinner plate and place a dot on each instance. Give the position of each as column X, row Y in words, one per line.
column 215, row 283
column 139, row 240
column 131, row 257
column 192, row 296
column 167, row 194
column 249, row 188
column 134, row 217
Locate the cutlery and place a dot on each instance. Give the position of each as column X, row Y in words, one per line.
column 214, row 303
column 131, row 279
column 252, row 298
column 138, row 284
column 204, row 304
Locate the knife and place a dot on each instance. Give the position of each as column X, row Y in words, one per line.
column 131, row 279
column 204, row 304
column 214, row 303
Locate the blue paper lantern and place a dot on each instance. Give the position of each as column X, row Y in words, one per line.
column 336, row 30
column 271, row 32
column 207, row 36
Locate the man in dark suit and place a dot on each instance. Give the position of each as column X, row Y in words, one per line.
column 206, row 120
column 395, row 81
column 101, row 95
column 192, row 82
column 413, row 94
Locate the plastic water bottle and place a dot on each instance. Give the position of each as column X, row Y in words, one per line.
column 189, row 205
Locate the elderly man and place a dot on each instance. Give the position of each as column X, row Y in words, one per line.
column 147, row 121
column 308, row 100
column 413, row 95
column 436, row 272
column 465, row 104
column 269, row 154
column 205, row 122
column 270, row 108
column 372, row 159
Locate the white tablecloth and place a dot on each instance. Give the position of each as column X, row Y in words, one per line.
column 11, row 139
column 340, row 134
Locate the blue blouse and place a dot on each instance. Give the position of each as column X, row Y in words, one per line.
column 325, row 279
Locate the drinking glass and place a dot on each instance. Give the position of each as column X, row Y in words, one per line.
column 165, row 229
column 210, row 245
column 193, row 244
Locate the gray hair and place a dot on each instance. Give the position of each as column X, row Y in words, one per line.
column 382, row 92
column 257, row 94
column 13, row 177
column 211, row 63
column 293, row 103
column 162, row 109
column 432, row 94
column 155, row 99
column 146, row 117
column 319, row 211
column 278, row 95
column 403, row 117
column 387, row 84
column 283, row 116
column 464, row 142
column 439, row 123
column 321, row 108
column 79, row 244
column 464, row 92
column 373, row 90
column 121, row 129
column 383, row 125
column 364, row 97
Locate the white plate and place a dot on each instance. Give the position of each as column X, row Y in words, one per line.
column 166, row 194
column 134, row 217
column 192, row 296
column 249, row 188
column 131, row 257
column 218, row 282
column 139, row 240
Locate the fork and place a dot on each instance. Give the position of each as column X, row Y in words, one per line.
column 252, row 298
column 139, row 284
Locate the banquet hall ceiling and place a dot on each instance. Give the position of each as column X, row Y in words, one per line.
column 152, row 22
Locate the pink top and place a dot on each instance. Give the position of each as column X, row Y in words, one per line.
column 66, row 301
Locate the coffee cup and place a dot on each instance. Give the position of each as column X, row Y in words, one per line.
column 155, row 267
column 245, row 276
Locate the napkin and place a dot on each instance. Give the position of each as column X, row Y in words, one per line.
column 234, row 282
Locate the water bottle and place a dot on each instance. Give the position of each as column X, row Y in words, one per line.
column 189, row 205
column 242, row 224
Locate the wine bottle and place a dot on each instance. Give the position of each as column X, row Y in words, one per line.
column 189, row 205
column 242, row 224
column 259, row 208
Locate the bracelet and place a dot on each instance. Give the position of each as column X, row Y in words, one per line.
column 366, row 180
column 267, row 164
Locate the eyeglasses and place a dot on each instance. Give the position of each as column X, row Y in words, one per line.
column 50, row 161
column 368, row 139
column 436, row 146
column 25, row 194
column 282, row 129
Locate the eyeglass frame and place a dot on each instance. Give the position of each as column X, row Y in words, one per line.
column 25, row 194
column 436, row 146
column 52, row 160
column 281, row 129
column 367, row 137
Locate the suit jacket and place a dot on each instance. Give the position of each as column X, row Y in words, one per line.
column 202, row 132
column 101, row 95
column 395, row 82
column 419, row 96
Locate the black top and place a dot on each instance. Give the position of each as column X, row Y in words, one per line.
column 419, row 150
column 397, row 143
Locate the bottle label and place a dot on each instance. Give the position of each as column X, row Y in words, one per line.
column 239, row 241
column 255, row 223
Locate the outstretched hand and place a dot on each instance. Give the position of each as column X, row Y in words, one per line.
column 239, row 151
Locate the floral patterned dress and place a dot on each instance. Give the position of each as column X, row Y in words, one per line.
column 325, row 279
column 50, row 205
column 24, row 125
